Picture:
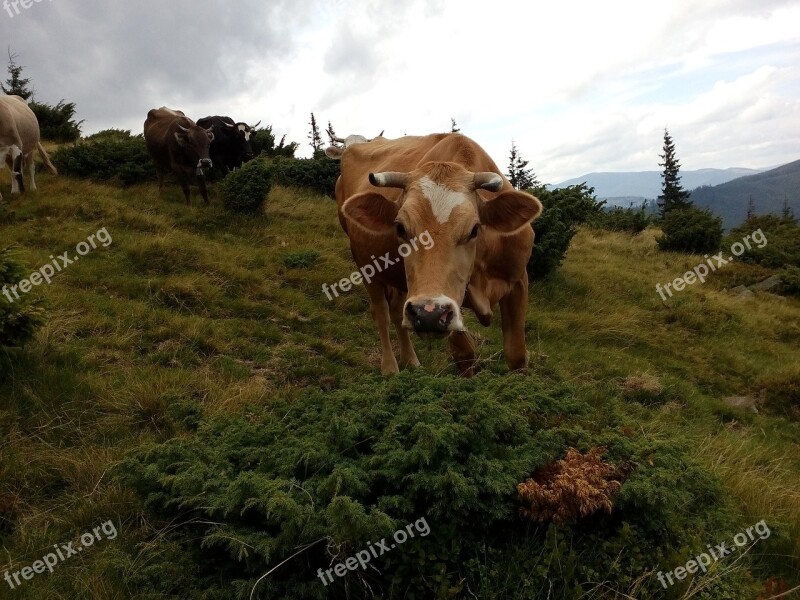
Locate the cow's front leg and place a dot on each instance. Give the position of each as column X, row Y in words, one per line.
column 17, row 182
column 462, row 346
column 184, row 181
column 408, row 357
column 201, row 183
column 512, row 310
column 379, row 307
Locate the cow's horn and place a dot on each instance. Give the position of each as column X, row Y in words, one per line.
column 389, row 179
column 488, row 181
column 256, row 125
column 231, row 125
column 182, row 128
column 338, row 140
column 380, row 134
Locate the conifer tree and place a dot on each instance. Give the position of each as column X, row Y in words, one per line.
column 787, row 214
column 518, row 175
column 332, row 135
column 454, row 128
column 16, row 84
column 751, row 208
column 673, row 196
column 314, row 135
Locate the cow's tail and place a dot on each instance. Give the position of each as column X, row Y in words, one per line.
column 50, row 166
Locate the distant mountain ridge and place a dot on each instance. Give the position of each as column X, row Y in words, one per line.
column 622, row 188
column 768, row 189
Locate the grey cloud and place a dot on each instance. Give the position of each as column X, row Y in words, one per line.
column 116, row 60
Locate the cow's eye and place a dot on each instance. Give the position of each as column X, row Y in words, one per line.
column 474, row 233
column 401, row 230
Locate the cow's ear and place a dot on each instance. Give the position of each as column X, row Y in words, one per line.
column 210, row 135
column 371, row 212
column 181, row 138
column 509, row 211
column 334, row 152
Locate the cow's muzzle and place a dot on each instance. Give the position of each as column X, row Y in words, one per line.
column 204, row 163
column 436, row 316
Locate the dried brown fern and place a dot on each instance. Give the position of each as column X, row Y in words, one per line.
column 572, row 488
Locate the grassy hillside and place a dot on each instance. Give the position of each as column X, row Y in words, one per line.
column 195, row 322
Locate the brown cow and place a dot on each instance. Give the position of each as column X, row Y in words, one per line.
column 176, row 143
column 19, row 138
column 392, row 191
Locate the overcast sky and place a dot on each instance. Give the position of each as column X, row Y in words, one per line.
column 580, row 86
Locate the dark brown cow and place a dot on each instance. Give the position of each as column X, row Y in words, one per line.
column 177, row 144
column 446, row 187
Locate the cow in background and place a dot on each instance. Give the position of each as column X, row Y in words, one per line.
column 336, row 152
column 232, row 145
column 19, row 138
column 177, row 144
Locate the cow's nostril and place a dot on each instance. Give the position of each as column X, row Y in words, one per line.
column 447, row 316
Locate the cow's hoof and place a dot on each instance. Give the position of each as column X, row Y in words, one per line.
column 389, row 368
column 413, row 363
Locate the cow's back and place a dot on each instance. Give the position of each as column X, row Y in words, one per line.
column 17, row 119
column 158, row 127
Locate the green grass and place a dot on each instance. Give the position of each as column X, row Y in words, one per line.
column 193, row 313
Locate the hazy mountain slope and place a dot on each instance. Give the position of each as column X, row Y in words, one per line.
column 647, row 184
column 768, row 190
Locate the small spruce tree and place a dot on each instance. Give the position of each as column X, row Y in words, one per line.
column 332, row 135
column 751, row 208
column 314, row 136
column 454, row 128
column 518, row 175
column 16, row 84
column 787, row 214
column 673, row 196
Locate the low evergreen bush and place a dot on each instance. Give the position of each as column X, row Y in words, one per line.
column 109, row 156
column 315, row 174
column 692, row 230
column 245, row 190
column 57, row 123
column 302, row 483
column 564, row 209
column 19, row 317
column 628, row 220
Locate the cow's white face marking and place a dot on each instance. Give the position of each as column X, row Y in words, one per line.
column 443, row 200
column 246, row 133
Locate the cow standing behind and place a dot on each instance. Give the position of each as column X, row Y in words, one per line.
column 391, row 191
column 19, row 138
column 177, row 144
column 232, row 145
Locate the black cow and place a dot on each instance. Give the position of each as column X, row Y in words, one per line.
column 232, row 141
column 176, row 143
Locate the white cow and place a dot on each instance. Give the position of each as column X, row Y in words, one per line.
column 19, row 138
